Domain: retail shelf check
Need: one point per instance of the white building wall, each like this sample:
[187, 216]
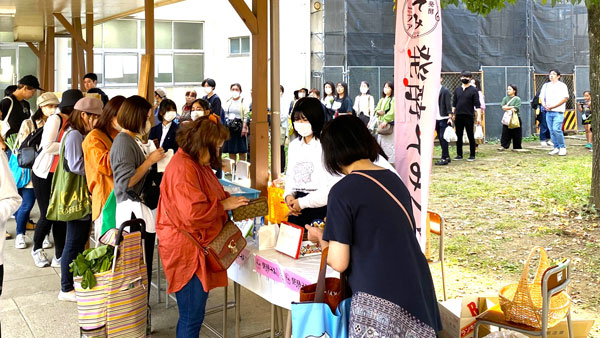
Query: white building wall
[221, 22]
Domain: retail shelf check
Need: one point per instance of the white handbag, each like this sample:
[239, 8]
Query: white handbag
[4, 125]
[450, 135]
[478, 133]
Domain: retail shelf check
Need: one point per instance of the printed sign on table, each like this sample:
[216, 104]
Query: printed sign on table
[243, 257]
[267, 269]
[294, 281]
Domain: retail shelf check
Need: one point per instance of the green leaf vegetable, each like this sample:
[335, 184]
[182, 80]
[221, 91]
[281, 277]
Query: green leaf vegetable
[90, 262]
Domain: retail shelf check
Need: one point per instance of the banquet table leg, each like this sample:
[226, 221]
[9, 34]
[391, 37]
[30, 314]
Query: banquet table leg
[225, 312]
[288, 325]
[236, 293]
[272, 321]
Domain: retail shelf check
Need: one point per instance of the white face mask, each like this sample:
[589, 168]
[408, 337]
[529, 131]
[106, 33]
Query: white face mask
[146, 129]
[303, 129]
[48, 110]
[235, 94]
[300, 95]
[364, 90]
[387, 91]
[170, 116]
[196, 114]
[328, 91]
[207, 90]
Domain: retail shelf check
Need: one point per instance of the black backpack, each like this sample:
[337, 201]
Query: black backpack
[30, 148]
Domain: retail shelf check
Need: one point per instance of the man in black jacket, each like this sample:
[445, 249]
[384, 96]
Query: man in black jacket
[464, 105]
[443, 121]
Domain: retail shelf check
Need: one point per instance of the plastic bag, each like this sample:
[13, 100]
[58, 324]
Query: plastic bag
[267, 236]
[478, 133]
[450, 135]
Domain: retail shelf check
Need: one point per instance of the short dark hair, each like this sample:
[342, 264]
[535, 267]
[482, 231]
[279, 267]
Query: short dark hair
[343, 84]
[514, 88]
[554, 70]
[281, 88]
[110, 110]
[389, 84]
[204, 104]
[346, 140]
[37, 115]
[164, 106]
[587, 91]
[9, 90]
[312, 109]
[133, 113]
[368, 86]
[205, 133]
[210, 82]
[477, 84]
[466, 73]
[236, 85]
[91, 76]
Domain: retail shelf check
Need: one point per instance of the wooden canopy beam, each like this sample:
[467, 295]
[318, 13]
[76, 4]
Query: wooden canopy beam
[80, 56]
[275, 97]
[74, 34]
[49, 59]
[89, 38]
[33, 48]
[246, 15]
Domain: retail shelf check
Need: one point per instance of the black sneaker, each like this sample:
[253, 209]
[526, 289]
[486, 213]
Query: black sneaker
[447, 159]
[442, 162]
[471, 158]
[457, 158]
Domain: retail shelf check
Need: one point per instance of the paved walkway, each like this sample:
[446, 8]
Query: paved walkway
[29, 307]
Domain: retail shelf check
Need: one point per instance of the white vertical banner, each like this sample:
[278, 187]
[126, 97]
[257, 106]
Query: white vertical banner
[417, 67]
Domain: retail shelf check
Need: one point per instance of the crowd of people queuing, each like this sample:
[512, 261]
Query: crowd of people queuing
[115, 145]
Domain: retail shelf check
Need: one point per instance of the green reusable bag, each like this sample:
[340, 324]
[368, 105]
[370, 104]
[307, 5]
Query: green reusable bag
[109, 213]
[70, 198]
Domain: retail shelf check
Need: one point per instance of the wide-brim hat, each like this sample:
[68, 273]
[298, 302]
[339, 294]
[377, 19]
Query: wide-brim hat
[46, 99]
[70, 97]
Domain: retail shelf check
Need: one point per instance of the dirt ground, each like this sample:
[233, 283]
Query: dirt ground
[500, 206]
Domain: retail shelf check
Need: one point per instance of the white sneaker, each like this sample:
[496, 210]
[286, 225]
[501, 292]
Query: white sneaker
[55, 262]
[67, 296]
[562, 152]
[20, 242]
[543, 144]
[39, 258]
[554, 151]
[46, 244]
[549, 143]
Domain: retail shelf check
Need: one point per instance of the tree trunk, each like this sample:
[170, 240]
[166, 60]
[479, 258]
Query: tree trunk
[594, 36]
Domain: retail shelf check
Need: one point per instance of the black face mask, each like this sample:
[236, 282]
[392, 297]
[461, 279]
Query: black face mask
[465, 81]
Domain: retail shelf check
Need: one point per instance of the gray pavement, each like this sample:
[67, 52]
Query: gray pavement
[29, 307]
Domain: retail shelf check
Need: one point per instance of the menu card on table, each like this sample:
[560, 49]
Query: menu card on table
[289, 239]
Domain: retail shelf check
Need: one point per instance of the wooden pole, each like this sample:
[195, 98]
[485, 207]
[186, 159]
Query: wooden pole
[42, 64]
[89, 38]
[149, 16]
[259, 153]
[74, 66]
[275, 98]
[80, 49]
[50, 58]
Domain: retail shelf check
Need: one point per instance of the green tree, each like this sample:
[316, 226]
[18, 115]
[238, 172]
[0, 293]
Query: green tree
[484, 7]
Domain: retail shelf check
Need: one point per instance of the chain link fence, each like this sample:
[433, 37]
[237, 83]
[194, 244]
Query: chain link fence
[568, 79]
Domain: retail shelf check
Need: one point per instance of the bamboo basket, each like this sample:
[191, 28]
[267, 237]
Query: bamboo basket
[522, 302]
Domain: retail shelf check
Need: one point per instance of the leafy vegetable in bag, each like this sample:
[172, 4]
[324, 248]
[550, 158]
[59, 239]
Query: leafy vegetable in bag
[90, 262]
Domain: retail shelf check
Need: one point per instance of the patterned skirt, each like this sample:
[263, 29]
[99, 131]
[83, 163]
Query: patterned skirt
[371, 316]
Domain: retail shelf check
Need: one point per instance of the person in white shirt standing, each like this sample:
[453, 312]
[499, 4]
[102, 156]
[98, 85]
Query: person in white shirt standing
[554, 96]
[9, 203]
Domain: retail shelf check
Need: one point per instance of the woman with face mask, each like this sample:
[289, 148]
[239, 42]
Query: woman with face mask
[342, 104]
[163, 134]
[47, 104]
[81, 121]
[364, 104]
[307, 182]
[236, 114]
[96, 152]
[42, 171]
[385, 117]
[130, 161]
[200, 108]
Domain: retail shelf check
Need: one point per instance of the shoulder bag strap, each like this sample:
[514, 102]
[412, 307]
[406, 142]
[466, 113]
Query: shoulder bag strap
[389, 193]
[9, 109]
[189, 236]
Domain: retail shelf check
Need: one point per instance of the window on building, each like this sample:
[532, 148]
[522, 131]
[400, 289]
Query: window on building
[239, 46]
[189, 68]
[120, 69]
[163, 69]
[120, 34]
[188, 35]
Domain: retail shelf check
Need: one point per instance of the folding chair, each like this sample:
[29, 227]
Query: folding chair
[436, 222]
[555, 280]
[228, 167]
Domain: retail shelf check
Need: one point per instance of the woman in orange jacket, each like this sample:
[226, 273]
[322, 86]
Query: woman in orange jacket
[192, 200]
[96, 152]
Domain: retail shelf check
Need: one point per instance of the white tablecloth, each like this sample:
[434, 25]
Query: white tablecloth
[274, 292]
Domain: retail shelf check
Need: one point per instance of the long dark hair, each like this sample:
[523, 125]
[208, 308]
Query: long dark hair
[332, 85]
[343, 84]
[37, 115]
[111, 109]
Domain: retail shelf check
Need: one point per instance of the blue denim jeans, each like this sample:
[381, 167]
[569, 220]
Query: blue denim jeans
[191, 301]
[22, 214]
[77, 235]
[544, 131]
[555, 121]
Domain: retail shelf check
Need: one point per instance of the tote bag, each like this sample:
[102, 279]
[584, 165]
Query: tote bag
[70, 198]
[21, 175]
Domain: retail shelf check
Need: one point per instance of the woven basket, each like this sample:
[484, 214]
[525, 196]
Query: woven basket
[522, 302]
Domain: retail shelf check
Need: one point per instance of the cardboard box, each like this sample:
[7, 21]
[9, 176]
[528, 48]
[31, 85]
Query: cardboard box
[458, 316]
[581, 329]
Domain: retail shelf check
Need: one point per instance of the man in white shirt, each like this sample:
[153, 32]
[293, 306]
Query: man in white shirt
[553, 97]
